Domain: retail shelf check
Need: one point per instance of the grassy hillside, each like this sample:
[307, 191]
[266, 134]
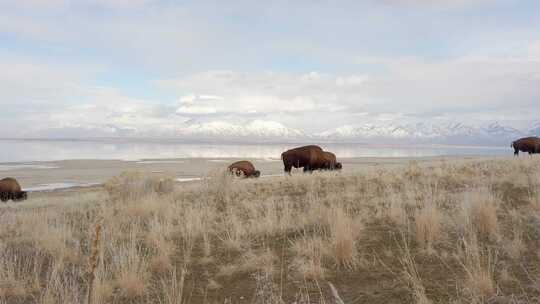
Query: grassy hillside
[438, 233]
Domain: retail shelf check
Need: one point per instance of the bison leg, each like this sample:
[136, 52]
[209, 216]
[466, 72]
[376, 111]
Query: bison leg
[16, 197]
[4, 197]
[288, 169]
[516, 152]
[308, 169]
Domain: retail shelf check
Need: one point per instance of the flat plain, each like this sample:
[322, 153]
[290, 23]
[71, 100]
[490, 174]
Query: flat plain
[35, 175]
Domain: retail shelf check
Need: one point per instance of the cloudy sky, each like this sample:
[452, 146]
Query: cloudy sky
[80, 68]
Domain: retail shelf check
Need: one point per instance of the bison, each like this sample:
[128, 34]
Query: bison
[11, 190]
[529, 145]
[309, 158]
[244, 168]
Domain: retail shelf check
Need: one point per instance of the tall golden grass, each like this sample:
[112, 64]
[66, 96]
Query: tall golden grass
[433, 232]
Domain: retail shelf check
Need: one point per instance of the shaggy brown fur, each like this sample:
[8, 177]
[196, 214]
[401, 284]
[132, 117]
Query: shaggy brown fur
[529, 145]
[11, 190]
[330, 162]
[308, 157]
[244, 168]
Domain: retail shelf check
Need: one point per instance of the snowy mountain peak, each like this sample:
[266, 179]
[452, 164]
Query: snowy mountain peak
[429, 131]
[258, 129]
[497, 129]
[271, 128]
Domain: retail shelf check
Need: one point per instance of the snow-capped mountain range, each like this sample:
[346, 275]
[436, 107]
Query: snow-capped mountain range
[444, 132]
[431, 132]
[425, 132]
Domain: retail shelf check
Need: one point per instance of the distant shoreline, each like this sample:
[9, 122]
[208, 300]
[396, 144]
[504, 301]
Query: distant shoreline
[32, 150]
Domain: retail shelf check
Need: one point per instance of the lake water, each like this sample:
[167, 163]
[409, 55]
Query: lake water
[18, 151]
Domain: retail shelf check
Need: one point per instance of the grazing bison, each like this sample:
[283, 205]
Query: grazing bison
[244, 168]
[308, 157]
[11, 190]
[528, 144]
[330, 162]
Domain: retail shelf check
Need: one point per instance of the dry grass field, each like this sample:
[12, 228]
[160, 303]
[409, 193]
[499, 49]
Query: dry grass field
[443, 232]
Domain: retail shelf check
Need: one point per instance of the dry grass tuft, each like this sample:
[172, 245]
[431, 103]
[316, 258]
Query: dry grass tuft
[131, 286]
[173, 288]
[534, 199]
[412, 275]
[344, 232]
[263, 261]
[309, 258]
[93, 262]
[218, 186]
[397, 212]
[428, 226]
[483, 213]
[133, 270]
[515, 246]
[479, 267]
[131, 186]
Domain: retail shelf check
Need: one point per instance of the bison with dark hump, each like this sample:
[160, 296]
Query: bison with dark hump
[244, 168]
[529, 145]
[309, 158]
[11, 190]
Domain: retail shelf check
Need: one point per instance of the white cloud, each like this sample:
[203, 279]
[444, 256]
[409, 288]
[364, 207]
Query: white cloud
[195, 110]
[226, 92]
[37, 97]
[28, 87]
[410, 86]
[56, 4]
[533, 51]
[120, 3]
[351, 80]
[34, 3]
[449, 3]
[457, 86]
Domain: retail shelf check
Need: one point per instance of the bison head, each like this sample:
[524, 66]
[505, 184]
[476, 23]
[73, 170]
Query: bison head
[21, 196]
[237, 172]
[256, 173]
[338, 166]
